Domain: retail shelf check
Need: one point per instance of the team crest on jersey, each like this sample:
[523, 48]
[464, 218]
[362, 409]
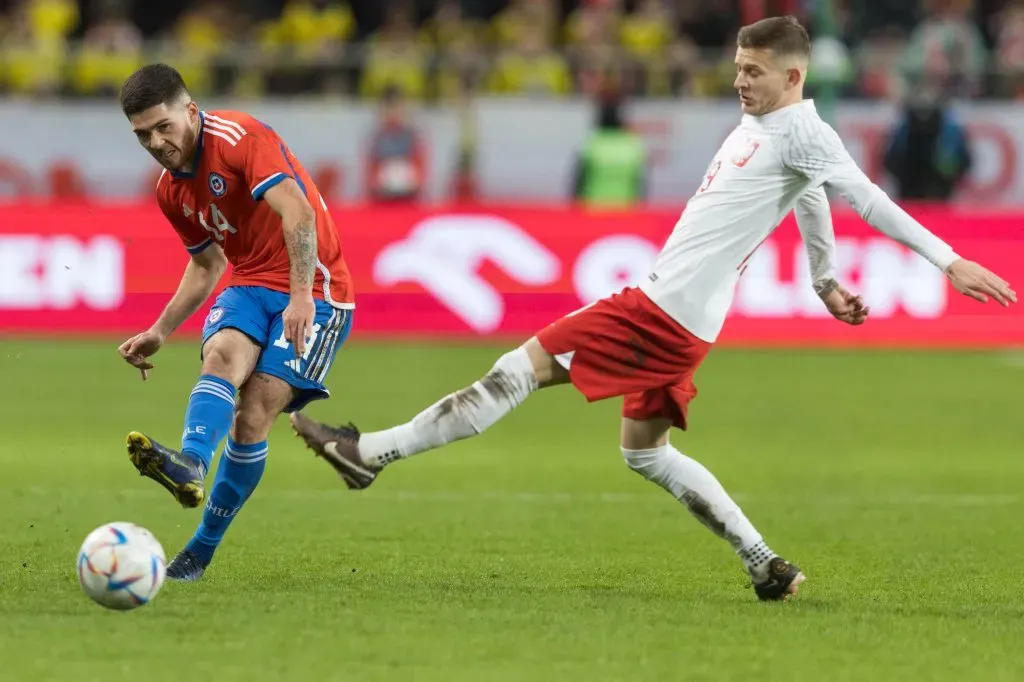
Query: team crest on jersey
[217, 185]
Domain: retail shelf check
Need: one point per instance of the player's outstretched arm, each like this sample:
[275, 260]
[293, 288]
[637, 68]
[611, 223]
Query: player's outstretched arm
[882, 213]
[201, 275]
[298, 220]
[813, 149]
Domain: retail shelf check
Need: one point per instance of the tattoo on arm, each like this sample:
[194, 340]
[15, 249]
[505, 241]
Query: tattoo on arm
[302, 252]
[825, 287]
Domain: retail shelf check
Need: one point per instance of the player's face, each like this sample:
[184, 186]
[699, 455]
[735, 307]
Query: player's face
[760, 80]
[168, 132]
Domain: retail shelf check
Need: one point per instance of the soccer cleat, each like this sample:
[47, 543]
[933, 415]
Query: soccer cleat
[182, 476]
[339, 446]
[783, 581]
[185, 567]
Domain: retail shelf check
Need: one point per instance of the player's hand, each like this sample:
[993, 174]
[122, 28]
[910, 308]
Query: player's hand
[298, 320]
[971, 279]
[846, 307]
[137, 350]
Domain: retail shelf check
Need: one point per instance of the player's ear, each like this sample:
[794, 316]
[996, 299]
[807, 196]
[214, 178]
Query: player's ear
[193, 111]
[793, 77]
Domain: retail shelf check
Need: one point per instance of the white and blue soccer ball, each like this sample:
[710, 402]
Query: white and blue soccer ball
[121, 566]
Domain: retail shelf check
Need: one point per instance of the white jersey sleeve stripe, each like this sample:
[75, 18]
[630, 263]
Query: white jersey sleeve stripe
[230, 132]
[226, 123]
[224, 136]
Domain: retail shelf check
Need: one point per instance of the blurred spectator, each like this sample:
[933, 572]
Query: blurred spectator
[197, 39]
[34, 47]
[310, 29]
[522, 17]
[465, 177]
[395, 58]
[647, 32]
[879, 58]
[459, 60]
[437, 48]
[673, 72]
[111, 51]
[711, 24]
[831, 70]
[594, 21]
[52, 20]
[600, 66]
[531, 67]
[715, 77]
[946, 49]
[396, 163]
[460, 68]
[611, 168]
[928, 152]
[448, 25]
[593, 33]
[1008, 30]
[303, 47]
[202, 28]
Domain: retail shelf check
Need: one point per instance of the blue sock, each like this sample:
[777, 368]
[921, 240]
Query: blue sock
[238, 472]
[211, 409]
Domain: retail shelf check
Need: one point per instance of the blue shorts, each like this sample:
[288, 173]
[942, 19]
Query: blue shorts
[256, 312]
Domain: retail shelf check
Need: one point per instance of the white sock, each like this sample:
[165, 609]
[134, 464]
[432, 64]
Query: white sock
[691, 483]
[459, 415]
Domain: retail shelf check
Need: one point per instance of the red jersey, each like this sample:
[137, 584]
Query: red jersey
[238, 159]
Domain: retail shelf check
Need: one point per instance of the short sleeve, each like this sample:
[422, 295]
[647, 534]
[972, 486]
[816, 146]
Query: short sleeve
[263, 162]
[813, 149]
[193, 236]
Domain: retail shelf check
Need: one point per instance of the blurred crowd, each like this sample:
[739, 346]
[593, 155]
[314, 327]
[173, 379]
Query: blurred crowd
[444, 49]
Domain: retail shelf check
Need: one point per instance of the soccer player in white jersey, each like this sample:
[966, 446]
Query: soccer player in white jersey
[645, 342]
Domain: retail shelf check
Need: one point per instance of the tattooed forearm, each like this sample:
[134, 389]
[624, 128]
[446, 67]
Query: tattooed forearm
[301, 242]
[825, 287]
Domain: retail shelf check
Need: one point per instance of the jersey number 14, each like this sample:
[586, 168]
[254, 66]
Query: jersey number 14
[220, 226]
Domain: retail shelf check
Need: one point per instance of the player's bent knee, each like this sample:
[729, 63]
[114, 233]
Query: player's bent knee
[230, 355]
[546, 369]
[647, 462]
[651, 463]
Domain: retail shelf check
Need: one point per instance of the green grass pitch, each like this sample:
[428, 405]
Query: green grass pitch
[532, 553]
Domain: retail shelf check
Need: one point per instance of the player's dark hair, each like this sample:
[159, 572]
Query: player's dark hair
[151, 86]
[784, 36]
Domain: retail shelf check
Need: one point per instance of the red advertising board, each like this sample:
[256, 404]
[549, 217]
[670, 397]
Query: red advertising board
[493, 271]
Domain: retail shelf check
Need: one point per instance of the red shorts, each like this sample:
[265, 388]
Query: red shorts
[625, 345]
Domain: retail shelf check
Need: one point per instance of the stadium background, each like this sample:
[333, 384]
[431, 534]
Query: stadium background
[891, 473]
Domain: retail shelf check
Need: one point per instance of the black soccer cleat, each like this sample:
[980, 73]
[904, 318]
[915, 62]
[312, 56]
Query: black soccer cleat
[339, 446]
[783, 581]
[179, 473]
[185, 568]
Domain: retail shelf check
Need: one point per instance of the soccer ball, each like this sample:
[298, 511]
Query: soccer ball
[121, 566]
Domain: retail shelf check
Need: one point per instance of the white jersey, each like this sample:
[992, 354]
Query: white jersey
[768, 166]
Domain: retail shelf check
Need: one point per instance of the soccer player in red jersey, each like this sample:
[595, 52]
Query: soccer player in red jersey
[646, 342]
[234, 193]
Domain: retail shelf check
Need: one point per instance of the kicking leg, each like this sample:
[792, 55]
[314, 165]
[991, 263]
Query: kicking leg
[647, 451]
[228, 358]
[463, 414]
[241, 466]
